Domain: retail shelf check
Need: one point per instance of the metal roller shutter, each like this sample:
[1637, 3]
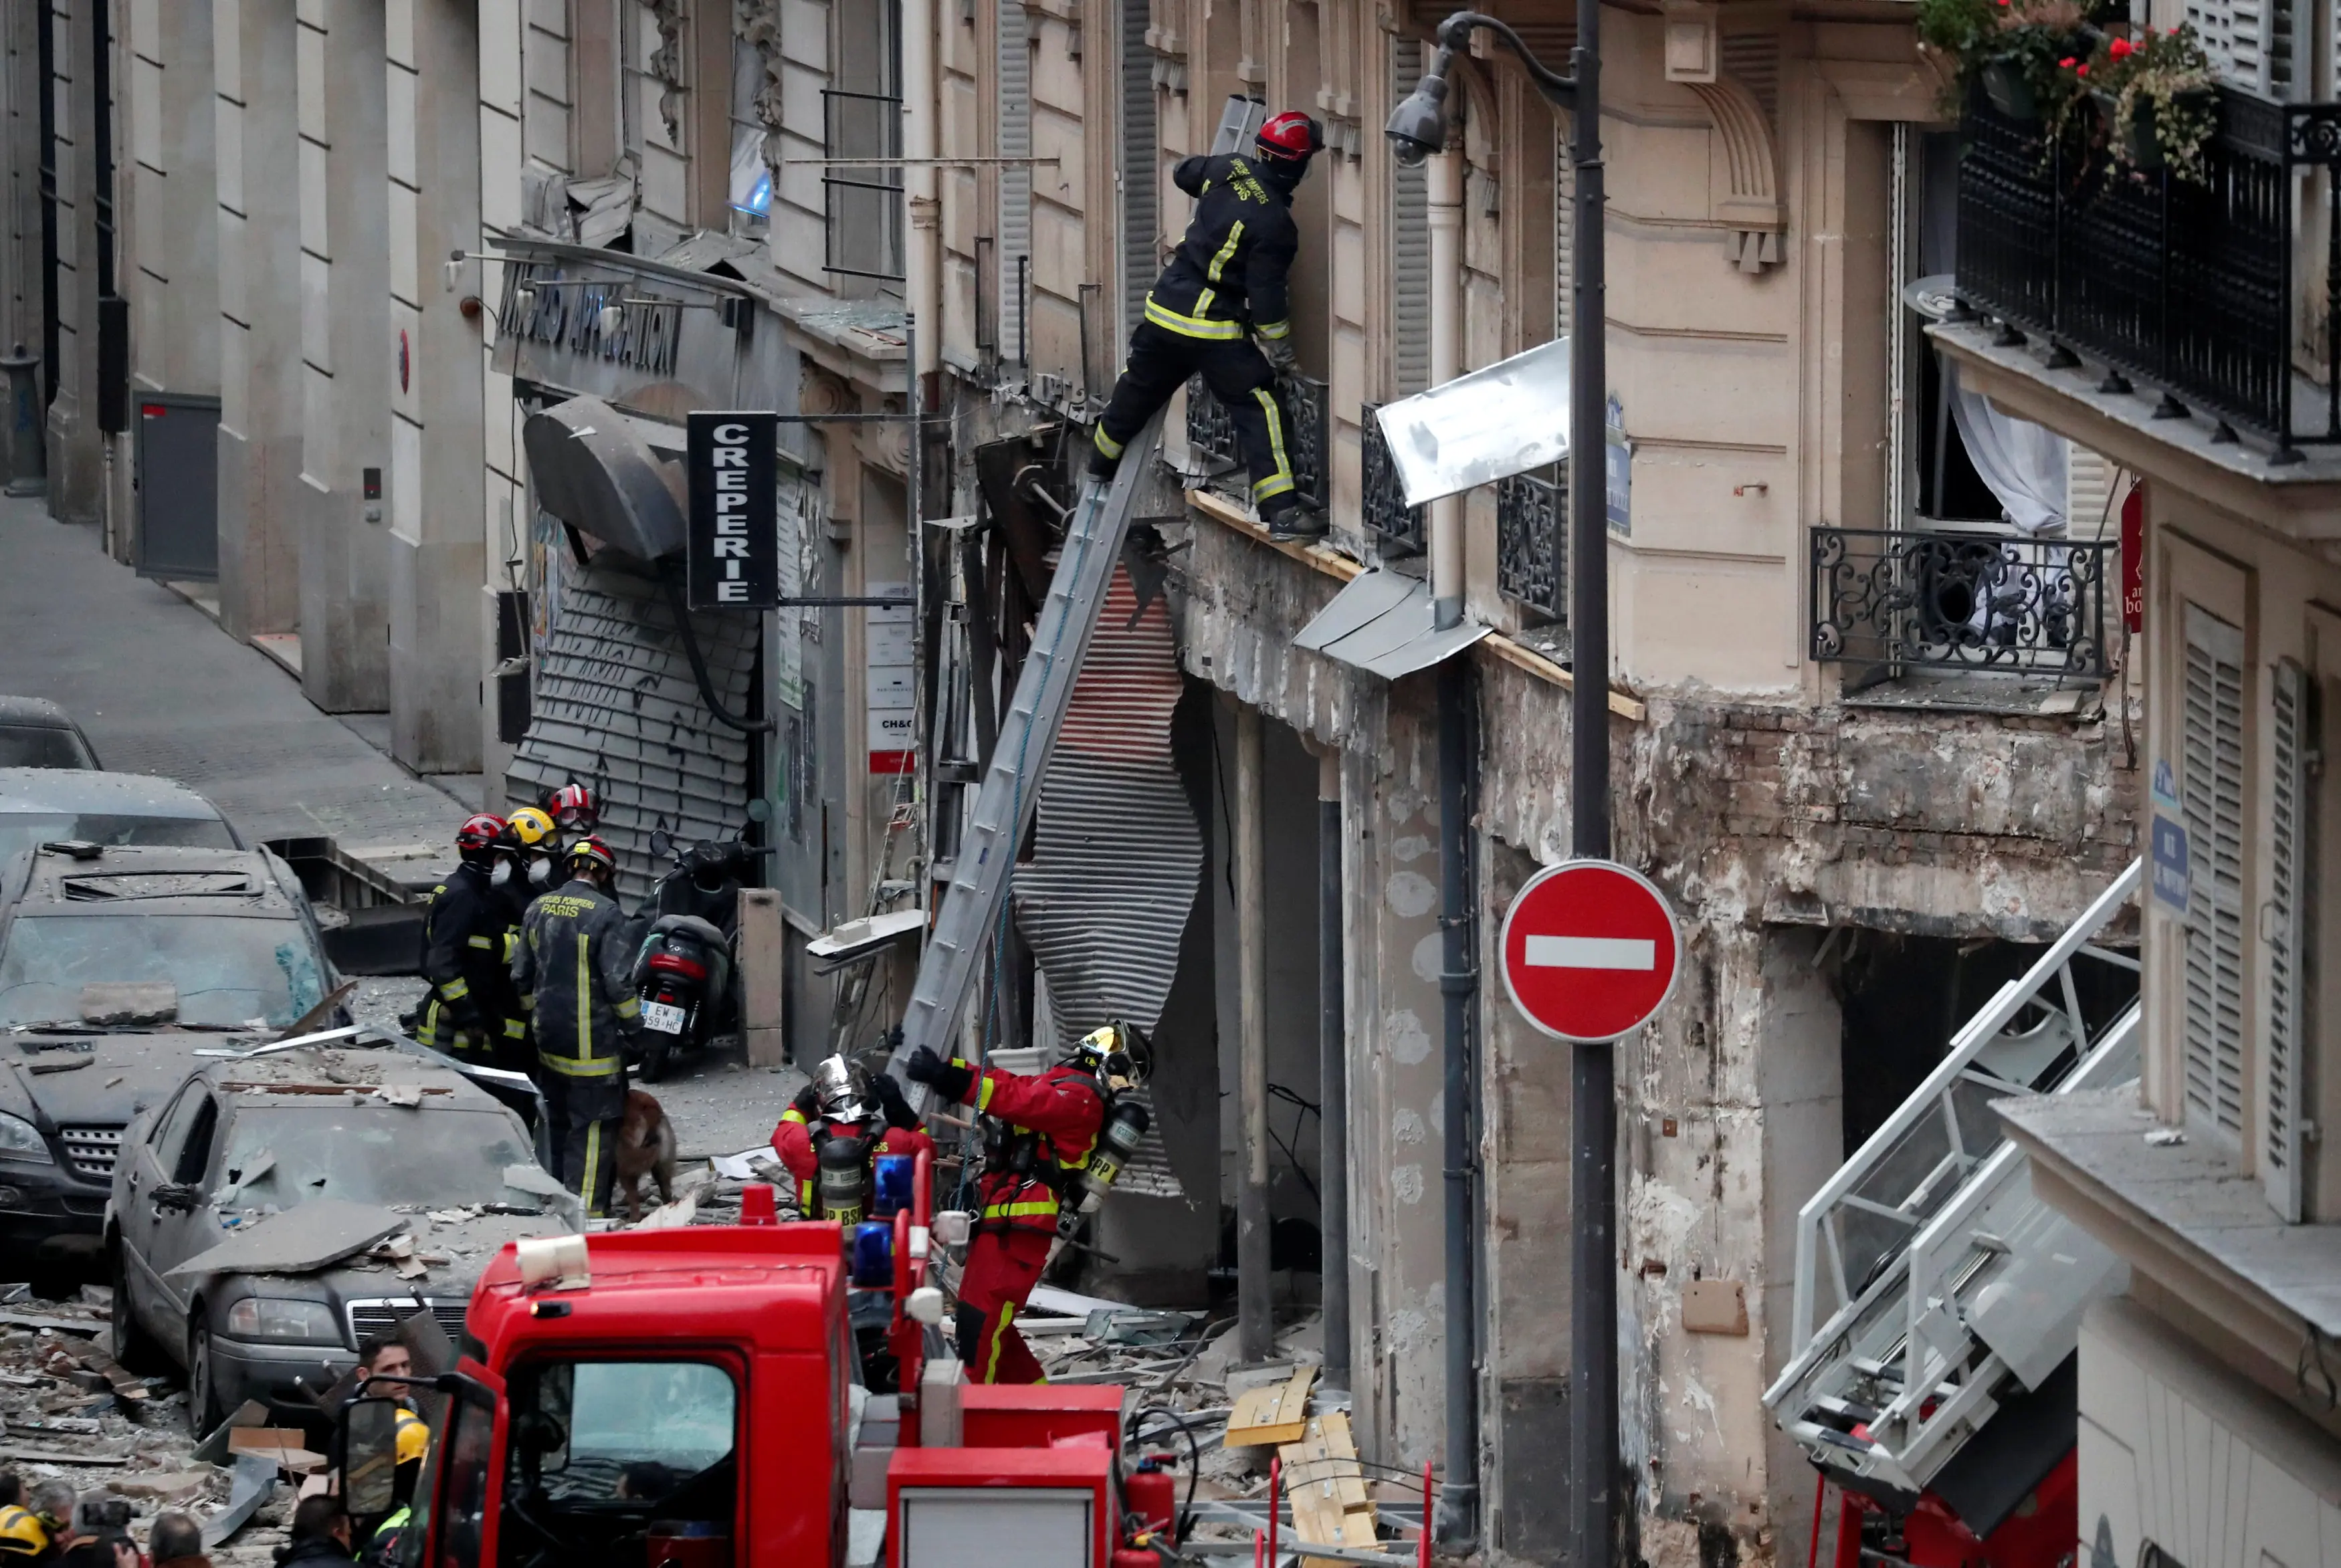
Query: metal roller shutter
[616, 708]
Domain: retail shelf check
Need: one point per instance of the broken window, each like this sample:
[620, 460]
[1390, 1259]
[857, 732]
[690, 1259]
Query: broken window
[372, 1154]
[228, 971]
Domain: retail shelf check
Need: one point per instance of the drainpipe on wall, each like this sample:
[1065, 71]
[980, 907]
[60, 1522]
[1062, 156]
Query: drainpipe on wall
[1457, 1522]
[1332, 1078]
[922, 260]
[1446, 213]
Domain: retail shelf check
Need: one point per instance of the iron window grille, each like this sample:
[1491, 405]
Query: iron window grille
[1212, 435]
[1531, 555]
[1382, 499]
[1889, 600]
[2188, 287]
[861, 208]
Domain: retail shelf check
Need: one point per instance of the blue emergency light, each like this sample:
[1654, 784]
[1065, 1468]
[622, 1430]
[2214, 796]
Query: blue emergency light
[872, 1255]
[896, 1176]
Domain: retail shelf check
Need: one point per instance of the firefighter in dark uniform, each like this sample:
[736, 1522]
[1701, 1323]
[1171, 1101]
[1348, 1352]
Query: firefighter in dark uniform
[1039, 1130]
[473, 1009]
[574, 969]
[1224, 291]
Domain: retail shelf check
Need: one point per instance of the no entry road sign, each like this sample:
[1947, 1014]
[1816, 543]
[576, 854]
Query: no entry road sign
[1591, 950]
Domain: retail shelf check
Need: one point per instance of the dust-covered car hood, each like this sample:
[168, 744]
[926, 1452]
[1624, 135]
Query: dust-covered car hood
[99, 1079]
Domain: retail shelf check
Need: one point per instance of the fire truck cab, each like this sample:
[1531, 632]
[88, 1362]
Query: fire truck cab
[684, 1395]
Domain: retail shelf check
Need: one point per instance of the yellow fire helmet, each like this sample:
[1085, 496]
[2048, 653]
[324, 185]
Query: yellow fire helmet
[1118, 1053]
[532, 828]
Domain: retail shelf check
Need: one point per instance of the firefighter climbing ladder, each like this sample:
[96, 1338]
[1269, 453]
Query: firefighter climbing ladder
[1020, 757]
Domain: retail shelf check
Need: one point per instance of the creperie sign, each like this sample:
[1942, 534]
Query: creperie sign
[734, 555]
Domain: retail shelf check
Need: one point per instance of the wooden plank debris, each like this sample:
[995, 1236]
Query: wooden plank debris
[1275, 1414]
[57, 1456]
[1331, 1505]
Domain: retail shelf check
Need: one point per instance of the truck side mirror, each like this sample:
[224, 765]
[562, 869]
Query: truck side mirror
[370, 1462]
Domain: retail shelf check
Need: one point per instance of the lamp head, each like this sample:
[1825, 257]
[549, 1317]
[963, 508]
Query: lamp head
[1418, 127]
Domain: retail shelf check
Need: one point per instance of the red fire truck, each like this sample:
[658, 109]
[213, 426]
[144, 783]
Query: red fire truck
[688, 1398]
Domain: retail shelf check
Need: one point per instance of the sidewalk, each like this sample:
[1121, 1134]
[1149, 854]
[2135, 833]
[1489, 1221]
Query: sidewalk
[161, 689]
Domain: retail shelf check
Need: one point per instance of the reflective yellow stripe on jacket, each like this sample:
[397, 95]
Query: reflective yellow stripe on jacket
[1164, 316]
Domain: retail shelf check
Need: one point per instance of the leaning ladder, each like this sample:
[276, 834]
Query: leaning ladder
[1020, 757]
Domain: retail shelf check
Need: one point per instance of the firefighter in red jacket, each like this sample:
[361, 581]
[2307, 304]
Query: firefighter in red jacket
[1038, 1134]
[836, 1092]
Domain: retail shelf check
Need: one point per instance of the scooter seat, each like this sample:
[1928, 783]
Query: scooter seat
[688, 925]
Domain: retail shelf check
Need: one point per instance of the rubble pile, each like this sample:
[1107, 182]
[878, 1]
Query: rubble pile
[69, 1411]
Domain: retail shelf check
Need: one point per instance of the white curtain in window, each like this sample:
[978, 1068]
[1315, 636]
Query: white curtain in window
[2023, 463]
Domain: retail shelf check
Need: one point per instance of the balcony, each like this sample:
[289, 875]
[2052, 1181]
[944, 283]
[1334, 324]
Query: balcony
[1531, 543]
[2190, 289]
[1382, 506]
[1212, 435]
[1888, 602]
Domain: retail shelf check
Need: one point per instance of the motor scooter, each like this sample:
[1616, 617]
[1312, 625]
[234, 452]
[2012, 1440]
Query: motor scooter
[685, 972]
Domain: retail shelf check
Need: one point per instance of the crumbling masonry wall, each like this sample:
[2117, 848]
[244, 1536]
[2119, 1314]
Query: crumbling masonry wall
[1768, 824]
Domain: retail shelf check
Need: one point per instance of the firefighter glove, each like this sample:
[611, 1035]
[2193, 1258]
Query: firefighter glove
[1280, 355]
[888, 1092]
[949, 1078]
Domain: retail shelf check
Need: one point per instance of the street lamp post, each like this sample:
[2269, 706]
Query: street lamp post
[1417, 129]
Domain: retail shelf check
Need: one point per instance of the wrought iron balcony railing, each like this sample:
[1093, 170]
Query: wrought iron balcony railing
[1893, 600]
[2189, 287]
[1212, 434]
[1531, 551]
[1382, 499]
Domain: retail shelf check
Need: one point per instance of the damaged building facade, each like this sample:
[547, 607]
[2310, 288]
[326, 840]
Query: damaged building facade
[1870, 723]
[1874, 720]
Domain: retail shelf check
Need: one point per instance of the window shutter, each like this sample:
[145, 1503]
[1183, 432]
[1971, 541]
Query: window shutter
[2249, 42]
[2212, 785]
[1013, 40]
[2291, 844]
[1564, 227]
[1410, 244]
[1140, 163]
[2088, 495]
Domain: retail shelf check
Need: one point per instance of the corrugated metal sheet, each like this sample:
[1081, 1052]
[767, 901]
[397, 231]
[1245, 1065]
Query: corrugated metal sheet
[617, 710]
[1117, 855]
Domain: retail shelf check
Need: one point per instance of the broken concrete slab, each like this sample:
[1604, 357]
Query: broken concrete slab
[298, 1241]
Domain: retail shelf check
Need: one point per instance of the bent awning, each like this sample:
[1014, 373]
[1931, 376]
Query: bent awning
[1383, 623]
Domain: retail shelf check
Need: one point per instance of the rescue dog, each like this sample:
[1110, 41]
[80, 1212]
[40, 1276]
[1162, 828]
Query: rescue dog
[645, 1149]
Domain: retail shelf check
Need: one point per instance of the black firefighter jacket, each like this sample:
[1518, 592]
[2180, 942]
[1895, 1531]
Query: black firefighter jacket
[465, 955]
[1228, 274]
[572, 967]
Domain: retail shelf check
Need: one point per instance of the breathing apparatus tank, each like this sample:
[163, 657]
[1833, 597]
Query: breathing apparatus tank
[1118, 1140]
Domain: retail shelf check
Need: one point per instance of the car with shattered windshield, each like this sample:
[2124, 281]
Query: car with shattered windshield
[278, 1209]
[48, 805]
[116, 965]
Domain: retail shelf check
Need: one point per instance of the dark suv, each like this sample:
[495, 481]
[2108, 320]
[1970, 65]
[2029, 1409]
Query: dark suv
[117, 967]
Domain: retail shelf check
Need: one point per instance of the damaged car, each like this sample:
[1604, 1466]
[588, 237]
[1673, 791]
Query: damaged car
[116, 965]
[283, 1206]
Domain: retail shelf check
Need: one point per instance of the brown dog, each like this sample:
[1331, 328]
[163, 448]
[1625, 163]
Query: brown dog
[645, 1148]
